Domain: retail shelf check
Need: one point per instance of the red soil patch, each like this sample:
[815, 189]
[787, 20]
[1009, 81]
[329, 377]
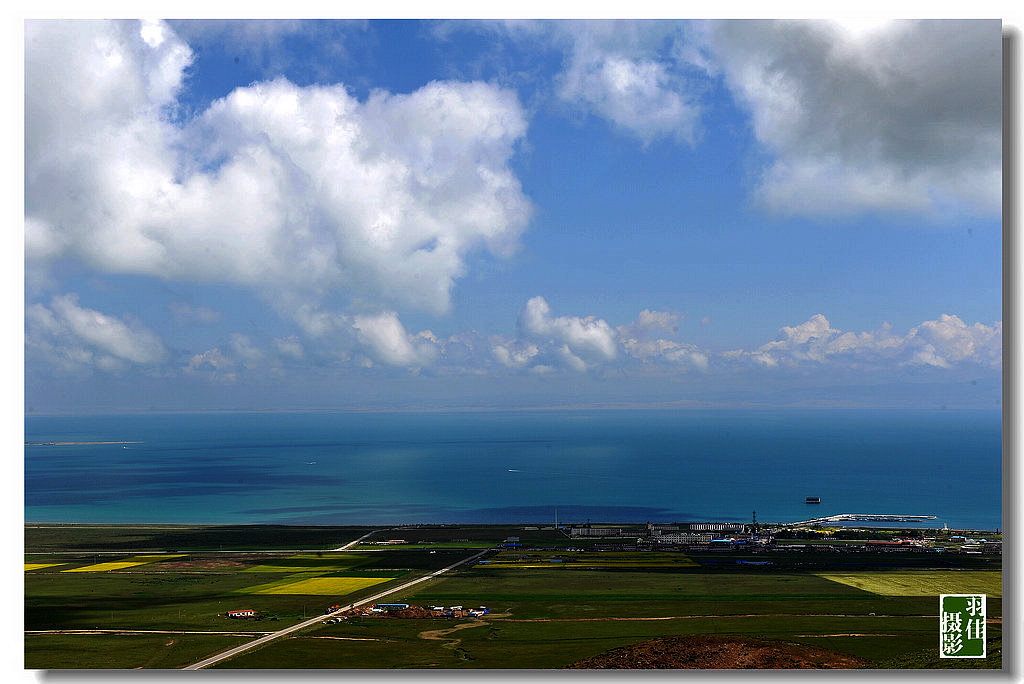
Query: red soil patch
[705, 652]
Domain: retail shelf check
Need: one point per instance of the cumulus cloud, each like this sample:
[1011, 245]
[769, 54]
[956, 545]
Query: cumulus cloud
[512, 354]
[640, 96]
[649, 323]
[901, 115]
[293, 191]
[942, 343]
[949, 340]
[641, 340]
[587, 337]
[625, 72]
[73, 337]
[241, 355]
[681, 354]
[385, 339]
[851, 116]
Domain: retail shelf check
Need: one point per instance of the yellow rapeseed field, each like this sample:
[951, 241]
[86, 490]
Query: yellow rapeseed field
[126, 563]
[321, 586]
[922, 582]
[104, 567]
[40, 566]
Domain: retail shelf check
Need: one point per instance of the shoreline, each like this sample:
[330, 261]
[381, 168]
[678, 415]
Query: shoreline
[75, 443]
[428, 525]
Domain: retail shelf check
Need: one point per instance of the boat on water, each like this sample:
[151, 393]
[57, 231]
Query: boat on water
[813, 500]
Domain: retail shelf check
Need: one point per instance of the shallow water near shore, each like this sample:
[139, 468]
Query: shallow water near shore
[514, 466]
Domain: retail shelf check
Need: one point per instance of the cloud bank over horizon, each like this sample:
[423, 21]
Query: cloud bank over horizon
[83, 339]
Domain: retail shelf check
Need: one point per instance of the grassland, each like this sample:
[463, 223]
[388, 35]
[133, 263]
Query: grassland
[169, 611]
[544, 618]
[589, 559]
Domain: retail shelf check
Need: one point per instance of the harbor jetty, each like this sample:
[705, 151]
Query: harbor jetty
[862, 517]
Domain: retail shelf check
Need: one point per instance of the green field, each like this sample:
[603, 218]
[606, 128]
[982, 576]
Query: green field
[105, 651]
[551, 617]
[589, 559]
[504, 643]
[326, 562]
[168, 612]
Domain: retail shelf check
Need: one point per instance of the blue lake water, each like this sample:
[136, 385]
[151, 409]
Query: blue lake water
[516, 466]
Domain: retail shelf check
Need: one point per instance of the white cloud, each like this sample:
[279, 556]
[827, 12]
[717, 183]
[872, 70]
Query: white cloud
[292, 191]
[904, 115]
[212, 364]
[949, 340]
[681, 354]
[634, 94]
[853, 116]
[640, 340]
[385, 339]
[587, 337]
[512, 354]
[658, 320]
[649, 323]
[625, 72]
[571, 360]
[620, 71]
[807, 341]
[943, 343]
[70, 336]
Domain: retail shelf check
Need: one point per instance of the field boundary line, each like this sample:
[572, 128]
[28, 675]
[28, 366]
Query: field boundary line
[141, 631]
[312, 621]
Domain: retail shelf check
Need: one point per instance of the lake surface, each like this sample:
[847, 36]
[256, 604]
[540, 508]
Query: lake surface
[514, 466]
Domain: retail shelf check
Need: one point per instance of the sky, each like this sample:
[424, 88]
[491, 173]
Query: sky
[275, 215]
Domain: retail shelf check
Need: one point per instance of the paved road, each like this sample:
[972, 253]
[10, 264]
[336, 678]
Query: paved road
[312, 621]
[353, 543]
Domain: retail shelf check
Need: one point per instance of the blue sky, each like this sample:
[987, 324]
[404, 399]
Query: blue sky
[286, 214]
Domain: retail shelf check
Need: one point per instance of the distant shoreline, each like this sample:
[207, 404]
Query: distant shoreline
[74, 443]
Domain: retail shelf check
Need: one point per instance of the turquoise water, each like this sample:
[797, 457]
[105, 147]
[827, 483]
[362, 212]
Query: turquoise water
[487, 467]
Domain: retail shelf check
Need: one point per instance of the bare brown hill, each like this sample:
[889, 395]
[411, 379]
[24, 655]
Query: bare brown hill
[709, 652]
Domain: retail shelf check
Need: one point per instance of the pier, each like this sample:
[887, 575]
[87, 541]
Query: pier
[866, 517]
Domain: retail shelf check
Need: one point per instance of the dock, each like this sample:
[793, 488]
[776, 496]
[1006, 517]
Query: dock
[864, 517]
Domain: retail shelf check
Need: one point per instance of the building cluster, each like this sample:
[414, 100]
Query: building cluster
[695, 535]
[406, 610]
[732, 536]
